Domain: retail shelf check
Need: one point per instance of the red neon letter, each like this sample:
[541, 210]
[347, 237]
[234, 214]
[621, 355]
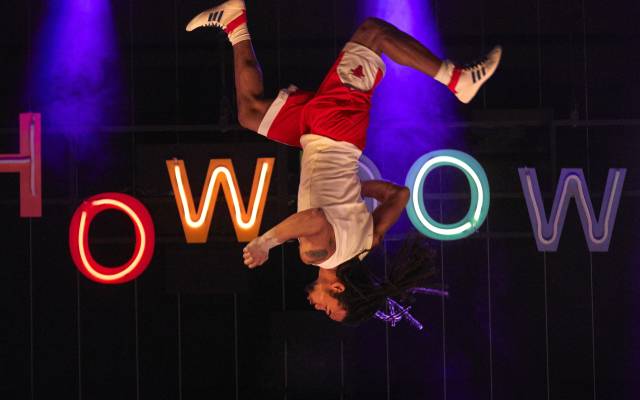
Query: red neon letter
[27, 164]
[79, 238]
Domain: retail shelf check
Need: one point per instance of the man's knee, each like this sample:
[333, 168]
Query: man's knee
[250, 113]
[373, 24]
[372, 33]
[243, 119]
[247, 119]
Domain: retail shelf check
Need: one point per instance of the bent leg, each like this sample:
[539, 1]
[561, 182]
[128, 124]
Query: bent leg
[382, 37]
[249, 88]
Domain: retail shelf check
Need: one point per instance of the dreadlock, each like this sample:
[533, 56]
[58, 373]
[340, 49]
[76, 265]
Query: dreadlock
[365, 293]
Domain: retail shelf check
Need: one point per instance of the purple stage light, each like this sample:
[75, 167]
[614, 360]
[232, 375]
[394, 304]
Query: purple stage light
[408, 104]
[75, 76]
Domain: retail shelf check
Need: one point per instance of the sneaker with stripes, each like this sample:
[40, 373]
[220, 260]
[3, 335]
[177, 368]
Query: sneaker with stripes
[465, 80]
[230, 16]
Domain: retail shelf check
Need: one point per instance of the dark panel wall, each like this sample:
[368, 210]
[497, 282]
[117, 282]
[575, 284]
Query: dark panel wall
[519, 323]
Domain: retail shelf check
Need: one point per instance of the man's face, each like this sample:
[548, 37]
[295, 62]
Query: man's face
[320, 297]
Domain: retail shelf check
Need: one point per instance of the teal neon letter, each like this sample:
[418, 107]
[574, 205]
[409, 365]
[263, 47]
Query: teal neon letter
[478, 184]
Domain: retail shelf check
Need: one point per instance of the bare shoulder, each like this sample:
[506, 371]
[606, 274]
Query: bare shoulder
[318, 247]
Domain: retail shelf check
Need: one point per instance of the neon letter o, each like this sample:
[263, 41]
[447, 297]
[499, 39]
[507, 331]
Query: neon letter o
[79, 238]
[478, 183]
[368, 170]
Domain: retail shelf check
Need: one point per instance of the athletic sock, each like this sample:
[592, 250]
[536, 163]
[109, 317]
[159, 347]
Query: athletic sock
[237, 29]
[445, 73]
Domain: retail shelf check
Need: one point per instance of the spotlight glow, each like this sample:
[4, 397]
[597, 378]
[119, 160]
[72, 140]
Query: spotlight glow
[408, 103]
[75, 75]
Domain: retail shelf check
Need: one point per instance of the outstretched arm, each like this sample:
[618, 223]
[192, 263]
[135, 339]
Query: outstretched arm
[393, 198]
[301, 224]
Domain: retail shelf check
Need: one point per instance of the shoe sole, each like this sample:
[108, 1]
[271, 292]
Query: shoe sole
[233, 4]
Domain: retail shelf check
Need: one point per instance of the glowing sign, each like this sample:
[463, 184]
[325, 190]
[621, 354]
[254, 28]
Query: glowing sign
[28, 164]
[220, 173]
[478, 184]
[368, 171]
[79, 238]
[572, 184]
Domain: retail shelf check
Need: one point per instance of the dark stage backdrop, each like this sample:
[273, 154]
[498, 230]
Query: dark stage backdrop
[519, 324]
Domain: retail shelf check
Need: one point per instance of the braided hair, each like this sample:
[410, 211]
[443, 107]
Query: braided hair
[365, 293]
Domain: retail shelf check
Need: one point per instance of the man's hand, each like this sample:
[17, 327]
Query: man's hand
[301, 224]
[256, 252]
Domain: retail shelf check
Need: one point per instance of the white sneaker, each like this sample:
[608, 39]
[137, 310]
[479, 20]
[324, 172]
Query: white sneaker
[228, 16]
[466, 80]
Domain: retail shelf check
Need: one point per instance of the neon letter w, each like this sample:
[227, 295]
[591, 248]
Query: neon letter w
[572, 185]
[246, 222]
